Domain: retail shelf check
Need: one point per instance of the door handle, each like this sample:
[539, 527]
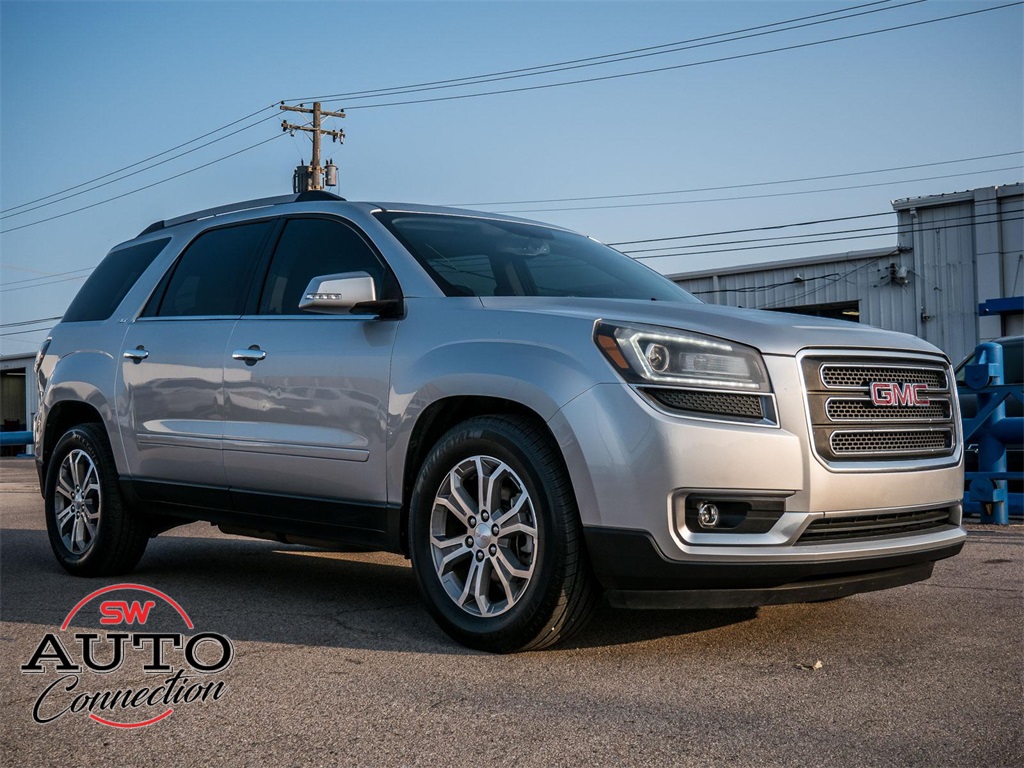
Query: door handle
[136, 355]
[249, 356]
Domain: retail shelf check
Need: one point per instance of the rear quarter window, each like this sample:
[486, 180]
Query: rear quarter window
[110, 282]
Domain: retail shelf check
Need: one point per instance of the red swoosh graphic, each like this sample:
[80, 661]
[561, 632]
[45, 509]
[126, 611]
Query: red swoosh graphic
[144, 723]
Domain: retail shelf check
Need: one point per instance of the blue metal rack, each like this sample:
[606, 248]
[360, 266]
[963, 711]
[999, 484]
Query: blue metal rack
[992, 430]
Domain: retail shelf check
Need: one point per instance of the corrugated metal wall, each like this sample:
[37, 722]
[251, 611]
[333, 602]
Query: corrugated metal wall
[953, 252]
[942, 243]
[967, 249]
[869, 278]
[1011, 235]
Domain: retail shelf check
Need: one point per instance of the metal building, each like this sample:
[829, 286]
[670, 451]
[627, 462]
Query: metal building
[19, 400]
[955, 276]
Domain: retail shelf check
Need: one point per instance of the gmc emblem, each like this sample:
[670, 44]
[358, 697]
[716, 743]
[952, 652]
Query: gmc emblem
[889, 393]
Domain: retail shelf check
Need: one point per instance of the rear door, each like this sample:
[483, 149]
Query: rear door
[306, 401]
[171, 406]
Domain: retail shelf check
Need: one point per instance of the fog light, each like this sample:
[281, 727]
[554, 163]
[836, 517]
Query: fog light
[707, 514]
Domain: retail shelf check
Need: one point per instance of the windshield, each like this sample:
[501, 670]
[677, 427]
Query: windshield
[485, 257]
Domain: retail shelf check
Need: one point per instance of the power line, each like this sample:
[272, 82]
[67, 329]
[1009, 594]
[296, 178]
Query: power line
[44, 277]
[756, 247]
[770, 286]
[683, 66]
[758, 197]
[383, 91]
[24, 341]
[145, 160]
[809, 242]
[741, 186]
[611, 58]
[41, 285]
[970, 217]
[7, 215]
[30, 322]
[22, 333]
[14, 210]
[549, 85]
[755, 229]
[140, 189]
[815, 289]
[891, 230]
[24, 269]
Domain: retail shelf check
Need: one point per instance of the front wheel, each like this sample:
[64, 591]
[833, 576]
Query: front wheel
[91, 532]
[495, 538]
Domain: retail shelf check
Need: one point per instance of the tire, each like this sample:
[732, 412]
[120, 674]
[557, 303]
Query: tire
[512, 581]
[91, 531]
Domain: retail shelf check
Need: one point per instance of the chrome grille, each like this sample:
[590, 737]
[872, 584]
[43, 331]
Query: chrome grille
[901, 442]
[837, 376]
[848, 426]
[862, 409]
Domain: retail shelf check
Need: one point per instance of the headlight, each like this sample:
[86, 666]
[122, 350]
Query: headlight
[654, 355]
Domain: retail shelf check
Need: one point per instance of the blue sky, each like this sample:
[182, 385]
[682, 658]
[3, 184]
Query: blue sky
[88, 87]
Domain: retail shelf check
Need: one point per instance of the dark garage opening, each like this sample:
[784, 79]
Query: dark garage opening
[12, 406]
[837, 310]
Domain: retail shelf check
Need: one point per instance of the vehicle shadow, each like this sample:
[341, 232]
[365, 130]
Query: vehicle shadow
[253, 590]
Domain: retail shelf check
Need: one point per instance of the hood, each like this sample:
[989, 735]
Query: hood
[773, 333]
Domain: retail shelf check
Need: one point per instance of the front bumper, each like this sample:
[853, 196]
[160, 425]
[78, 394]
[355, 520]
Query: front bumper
[634, 467]
[636, 574]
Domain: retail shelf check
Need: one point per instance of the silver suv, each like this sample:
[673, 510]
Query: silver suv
[530, 416]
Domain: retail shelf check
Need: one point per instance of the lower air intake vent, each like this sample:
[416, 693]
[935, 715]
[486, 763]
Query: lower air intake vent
[716, 403]
[875, 526]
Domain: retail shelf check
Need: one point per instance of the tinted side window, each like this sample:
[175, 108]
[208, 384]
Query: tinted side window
[111, 281]
[312, 247]
[212, 276]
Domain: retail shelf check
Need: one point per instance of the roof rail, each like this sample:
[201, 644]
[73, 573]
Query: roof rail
[301, 197]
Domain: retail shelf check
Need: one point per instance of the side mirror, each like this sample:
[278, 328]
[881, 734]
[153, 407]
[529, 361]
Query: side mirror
[339, 294]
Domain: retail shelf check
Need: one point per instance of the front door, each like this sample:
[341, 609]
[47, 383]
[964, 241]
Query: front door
[306, 395]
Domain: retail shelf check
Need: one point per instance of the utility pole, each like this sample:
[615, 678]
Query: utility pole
[309, 177]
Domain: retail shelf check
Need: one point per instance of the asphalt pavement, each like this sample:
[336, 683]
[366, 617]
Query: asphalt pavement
[335, 662]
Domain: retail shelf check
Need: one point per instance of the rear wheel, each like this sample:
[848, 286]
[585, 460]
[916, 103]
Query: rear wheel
[91, 532]
[495, 538]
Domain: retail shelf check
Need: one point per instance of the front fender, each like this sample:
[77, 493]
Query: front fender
[544, 365]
